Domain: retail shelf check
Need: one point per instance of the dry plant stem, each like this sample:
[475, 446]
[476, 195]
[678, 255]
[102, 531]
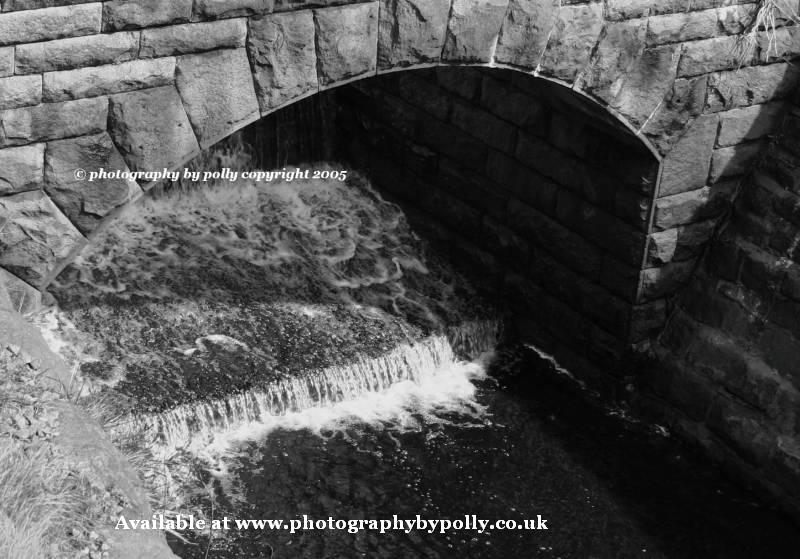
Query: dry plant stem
[764, 24]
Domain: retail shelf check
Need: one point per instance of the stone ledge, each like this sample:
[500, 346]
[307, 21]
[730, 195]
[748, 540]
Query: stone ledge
[525, 32]
[17, 5]
[750, 86]
[411, 32]
[218, 93]
[6, 61]
[734, 160]
[576, 32]
[665, 280]
[473, 29]
[681, 27]
[18, 296]
[21, 169]
[346, 42]
[51, 121]
[45, 24]
[86, 203]
[137, 14]
[193, 37]
[150, 128]
[693, 206]
[30, 248]
[748, 123]
[218, 9]
[20, 91]
[281, 50]
[65, 54]
[105, 80]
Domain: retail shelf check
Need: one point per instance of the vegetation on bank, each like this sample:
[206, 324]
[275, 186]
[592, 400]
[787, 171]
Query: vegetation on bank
[47, 509]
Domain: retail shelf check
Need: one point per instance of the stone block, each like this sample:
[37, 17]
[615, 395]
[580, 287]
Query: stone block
[411, 32]
[136, 14]
[750, 86]
[736, 18]
[525, 31]
[575, 34]
[422, 94]
[629, 9]
[86, 203]
[522, 182]
[484, 126]
[741, 429]
[619, 278]
[791, 283]
[20, 91]
[680, 243]
[508, 245]
[214, 9]
[21, 168]
[34, 236]
[512, 105]
[51, 121]
[669, 121]
[780, 350]
[749, 123]
[687, 165]
[151, 129]
[193, 37]
[571, 248]
[18, 295]
[472, 188]
[78, 52]
[734, 160]
[346, 41]
[646, 84]
[693, 206]
[784, 44]
[30, 26]
[711, 55]
[281, 48]
[452, 142]
[16, 5]
[104, 80]
[544, 158]
[612, 234]
[631, 206]
[453, 211]
[6, 61]
[681, 27]
[218, 93]
[620, 47]
[605, 309]
[473, 29]
[760, 270]
[666, 280]
[464, 82]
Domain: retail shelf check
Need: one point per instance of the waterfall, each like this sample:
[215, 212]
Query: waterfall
[179, 426]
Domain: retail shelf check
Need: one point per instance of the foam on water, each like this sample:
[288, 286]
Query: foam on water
[421, 378]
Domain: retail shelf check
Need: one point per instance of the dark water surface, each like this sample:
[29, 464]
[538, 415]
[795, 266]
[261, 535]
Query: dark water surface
[608, 487]
[205, 318]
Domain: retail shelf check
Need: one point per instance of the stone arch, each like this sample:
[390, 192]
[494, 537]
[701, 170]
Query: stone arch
[144, 86]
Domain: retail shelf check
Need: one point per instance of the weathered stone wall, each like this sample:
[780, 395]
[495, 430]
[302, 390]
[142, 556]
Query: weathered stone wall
[729, 373]
[529, 185]
[144, 84]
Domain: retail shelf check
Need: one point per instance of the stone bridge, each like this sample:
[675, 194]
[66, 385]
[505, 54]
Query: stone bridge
[687, 97]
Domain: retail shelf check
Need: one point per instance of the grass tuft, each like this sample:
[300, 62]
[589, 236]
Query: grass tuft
[37, 502]
[769, 16]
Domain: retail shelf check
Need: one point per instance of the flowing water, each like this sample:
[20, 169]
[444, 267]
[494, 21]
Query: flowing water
[292, 348]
